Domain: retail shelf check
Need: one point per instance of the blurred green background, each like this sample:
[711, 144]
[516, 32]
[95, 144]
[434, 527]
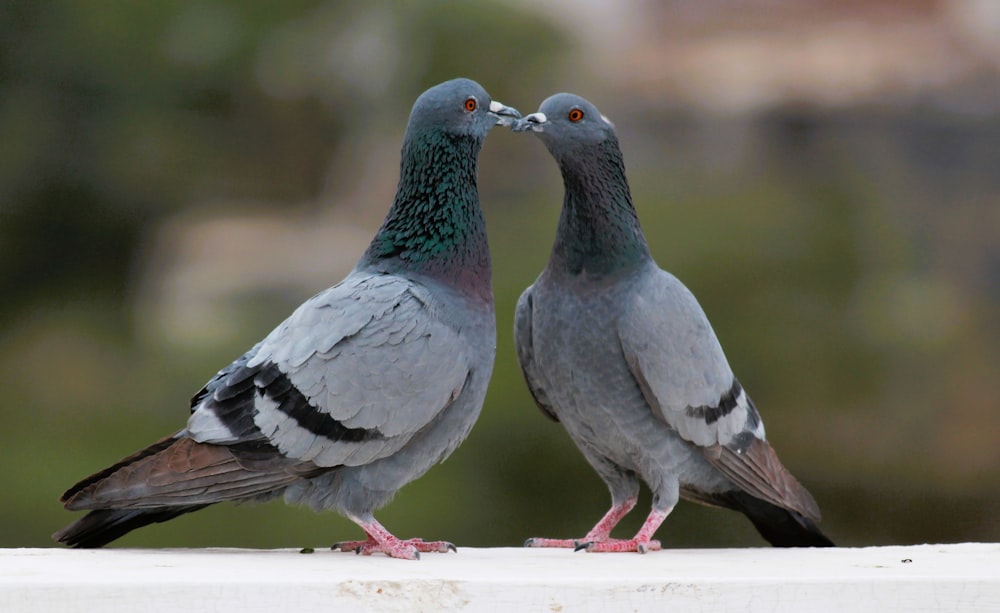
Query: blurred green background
[176, 176]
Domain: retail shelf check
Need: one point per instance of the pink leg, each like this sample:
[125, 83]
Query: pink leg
[641, 542]
[599, 533]
[381, 540]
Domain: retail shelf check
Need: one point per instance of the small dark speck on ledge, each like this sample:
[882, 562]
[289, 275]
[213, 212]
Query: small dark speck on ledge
[307, 550]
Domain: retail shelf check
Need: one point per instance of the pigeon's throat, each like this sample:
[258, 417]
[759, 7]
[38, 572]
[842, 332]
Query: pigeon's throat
[435, 225]
[599, 231]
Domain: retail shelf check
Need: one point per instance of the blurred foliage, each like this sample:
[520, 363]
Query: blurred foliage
[847, 260]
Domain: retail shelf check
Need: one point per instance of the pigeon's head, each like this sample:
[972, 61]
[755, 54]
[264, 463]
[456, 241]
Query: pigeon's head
[565, 122]
[460, 106]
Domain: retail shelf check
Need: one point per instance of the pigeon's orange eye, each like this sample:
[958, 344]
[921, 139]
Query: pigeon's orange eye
[470, 104]
[575, 115]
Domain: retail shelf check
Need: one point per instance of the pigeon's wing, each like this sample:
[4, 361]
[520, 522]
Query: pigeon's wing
[349, 378]
[677, 360]
[524, 341]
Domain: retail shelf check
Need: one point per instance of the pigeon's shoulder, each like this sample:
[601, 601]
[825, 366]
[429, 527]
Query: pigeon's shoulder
[330, 316]
[675, 356]
[348, 378]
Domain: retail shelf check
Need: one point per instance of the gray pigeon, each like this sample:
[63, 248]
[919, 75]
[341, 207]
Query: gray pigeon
[620, 353]
[365, 386]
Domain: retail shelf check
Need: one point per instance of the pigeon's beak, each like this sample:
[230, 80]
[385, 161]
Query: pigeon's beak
[506, 115]
[534, 122]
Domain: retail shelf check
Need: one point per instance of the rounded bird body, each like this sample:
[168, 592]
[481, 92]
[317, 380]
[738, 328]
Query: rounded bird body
[621, 353]
[365, 386]
[576, 343]
[425, 364]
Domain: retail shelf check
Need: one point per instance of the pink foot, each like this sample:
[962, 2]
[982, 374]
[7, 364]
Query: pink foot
[409, 549]
[544, 542]
[600, 532]
[598, 539]
[621, 545]
[642, 542]
[381, 540]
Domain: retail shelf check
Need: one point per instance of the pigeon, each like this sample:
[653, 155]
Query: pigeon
[365, 386]
[620, 352]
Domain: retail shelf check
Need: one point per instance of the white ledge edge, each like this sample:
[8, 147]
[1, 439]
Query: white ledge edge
[954, 577]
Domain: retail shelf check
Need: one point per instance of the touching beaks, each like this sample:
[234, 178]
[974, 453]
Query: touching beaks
[534, 122]
[506, 115]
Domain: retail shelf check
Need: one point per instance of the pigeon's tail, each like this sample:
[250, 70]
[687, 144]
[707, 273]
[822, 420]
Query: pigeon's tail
[783, 511]
[779, 526]
[98, 528]
[173, 476]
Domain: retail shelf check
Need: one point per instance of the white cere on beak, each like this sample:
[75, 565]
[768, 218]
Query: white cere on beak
[534, 122]
[506, 116]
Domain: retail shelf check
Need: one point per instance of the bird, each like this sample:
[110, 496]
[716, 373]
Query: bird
[365, 386]
[621, 353]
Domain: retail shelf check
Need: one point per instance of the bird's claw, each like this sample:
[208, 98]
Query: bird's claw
[432, 546]
[644, 547]
[347, 546]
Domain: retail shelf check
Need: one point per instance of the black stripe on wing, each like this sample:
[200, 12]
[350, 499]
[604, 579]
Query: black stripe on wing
[291, 402]
[726, 405]
[232, 396]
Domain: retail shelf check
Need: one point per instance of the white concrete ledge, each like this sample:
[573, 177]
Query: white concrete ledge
[918, 578]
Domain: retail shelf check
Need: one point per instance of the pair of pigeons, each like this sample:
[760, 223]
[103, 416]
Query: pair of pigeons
[371, 382]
